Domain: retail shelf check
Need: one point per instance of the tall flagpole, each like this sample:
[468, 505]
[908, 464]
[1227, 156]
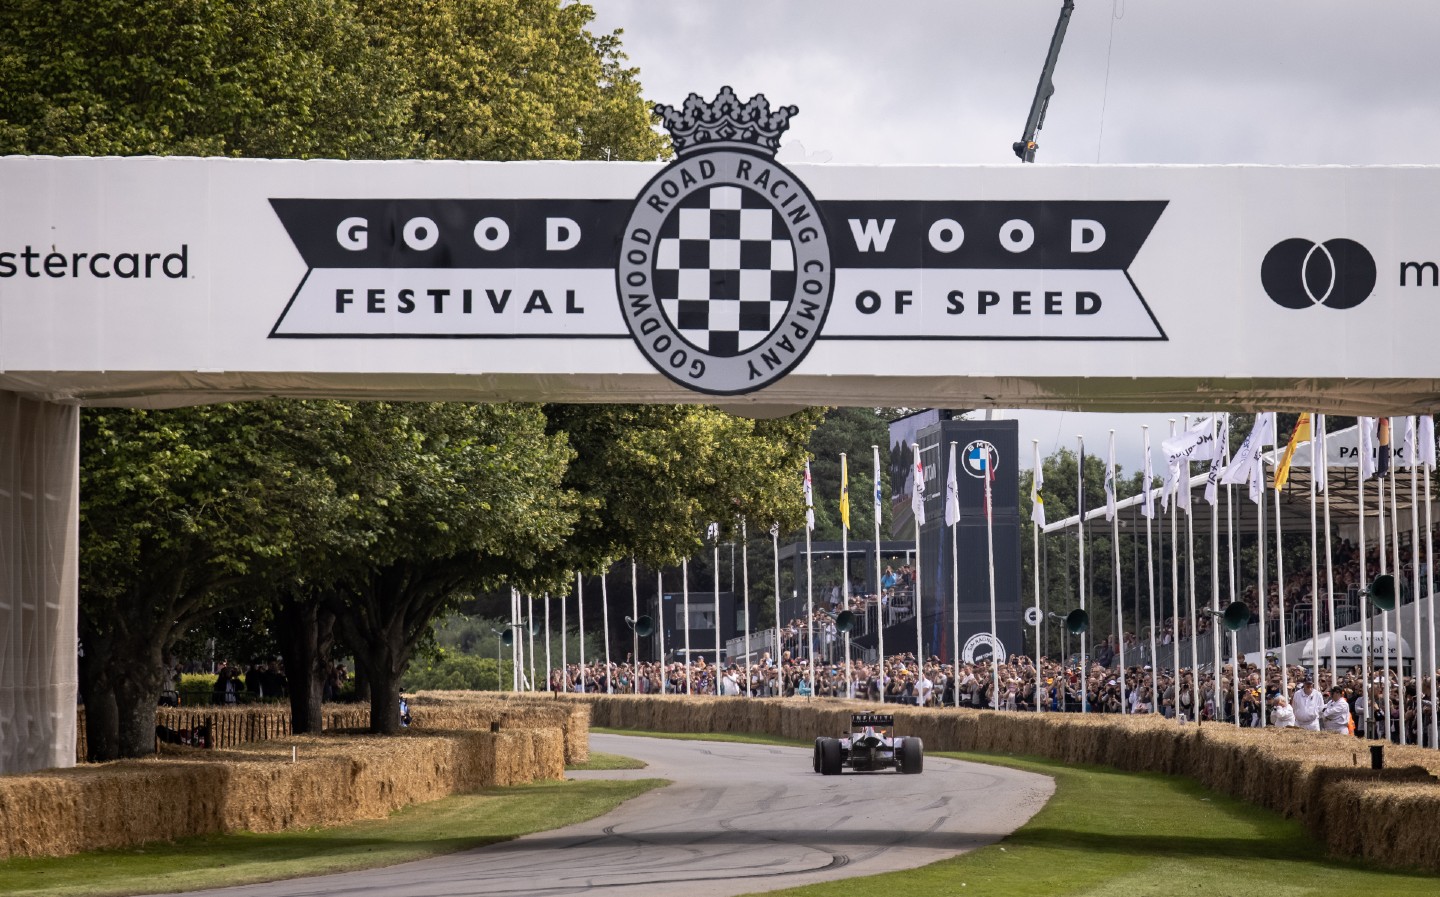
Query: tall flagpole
[1175, 587]
[685, 599]
[1367, 635]
[1149, 511]
[1280, 573]
[879, 583]
[605, 624]
[530, 628]
[1315, 571]
[1212, 495]
[1119, 607]
[1234, 593]
[775, 545]
[952, 503]
[1184, 484]
[715, 563]
[1399, 618]
[845, 564]
[516, 643]
[918, 602]
[990, 556]
[1038, 523]
[564, 645]
[1419, 646]
[634, 623]
[1427, 456]
[1080, 504]
[660, 628]
[580, 603]
[1384, 615]
[1319, 455]
[549, 667]
[745, 591]
[809, 583]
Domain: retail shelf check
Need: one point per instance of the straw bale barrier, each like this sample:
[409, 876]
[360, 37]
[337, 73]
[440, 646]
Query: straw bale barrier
[479, 709]
[256, 787]
[1323, 780]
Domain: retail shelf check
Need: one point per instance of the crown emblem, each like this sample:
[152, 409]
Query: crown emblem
[726, 122]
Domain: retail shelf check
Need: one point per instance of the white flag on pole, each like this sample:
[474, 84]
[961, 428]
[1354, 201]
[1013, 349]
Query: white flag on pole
[877, 485]
[809, 500]
[1366, 426]
[1246, 466]
[1110, 481]
[1427, 441]
[1410, 441]
[1195, 444]
[952, 492]
[1217, 463]
[917, 495]
[1148, 507]
[1319, 453]
[712, 532]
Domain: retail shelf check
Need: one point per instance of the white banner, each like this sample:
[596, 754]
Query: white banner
[722, 274]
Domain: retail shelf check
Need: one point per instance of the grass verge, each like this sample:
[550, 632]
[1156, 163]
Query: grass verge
[602, 761]
[444, 826]
[1106, 833]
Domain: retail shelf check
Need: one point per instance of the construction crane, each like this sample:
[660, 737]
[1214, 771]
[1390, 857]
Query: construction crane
[1026, 146]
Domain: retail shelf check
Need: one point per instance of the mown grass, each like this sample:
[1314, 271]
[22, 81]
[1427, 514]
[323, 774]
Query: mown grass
[445, 826]
[1107, 833]
[602, 761]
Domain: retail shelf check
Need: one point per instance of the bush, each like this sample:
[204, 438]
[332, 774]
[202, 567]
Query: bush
[452, 671]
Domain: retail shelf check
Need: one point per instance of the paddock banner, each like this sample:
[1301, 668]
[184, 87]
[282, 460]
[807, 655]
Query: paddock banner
[723, 273]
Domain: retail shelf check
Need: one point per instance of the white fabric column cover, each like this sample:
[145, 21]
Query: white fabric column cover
[39, 572]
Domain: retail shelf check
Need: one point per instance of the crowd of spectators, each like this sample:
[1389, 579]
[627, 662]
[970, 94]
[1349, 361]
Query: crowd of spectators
[1139, 689]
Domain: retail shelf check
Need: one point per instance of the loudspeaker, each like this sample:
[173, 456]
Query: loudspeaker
[644, 627]
[1077, 621]
[845, 622]
[1382, 592]
[1236, 616]
[507, 638]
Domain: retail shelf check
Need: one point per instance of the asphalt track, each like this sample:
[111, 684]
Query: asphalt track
[739, 818]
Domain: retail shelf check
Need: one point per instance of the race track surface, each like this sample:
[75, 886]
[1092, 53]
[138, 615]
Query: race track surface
[739, 818]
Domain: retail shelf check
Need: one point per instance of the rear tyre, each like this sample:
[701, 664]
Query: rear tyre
[911, 756]
[829, 750]
[816, 761]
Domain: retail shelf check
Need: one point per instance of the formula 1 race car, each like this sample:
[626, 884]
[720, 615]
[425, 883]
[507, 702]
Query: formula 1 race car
[871, 745]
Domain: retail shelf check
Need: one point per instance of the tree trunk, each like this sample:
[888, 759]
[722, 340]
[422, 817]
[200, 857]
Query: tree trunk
[137, 695]
[306, 633]
[102, 720]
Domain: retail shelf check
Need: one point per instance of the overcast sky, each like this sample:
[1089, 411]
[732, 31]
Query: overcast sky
[1291, 82]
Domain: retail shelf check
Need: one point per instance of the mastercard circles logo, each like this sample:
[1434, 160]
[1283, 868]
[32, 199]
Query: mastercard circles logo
[1300, 273]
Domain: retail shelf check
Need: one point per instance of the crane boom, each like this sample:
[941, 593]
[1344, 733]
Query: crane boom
[1026, 146]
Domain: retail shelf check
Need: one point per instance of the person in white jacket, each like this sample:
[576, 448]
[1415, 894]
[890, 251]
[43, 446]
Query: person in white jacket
[1281, 716]
[1307, 704]
[1335, 715]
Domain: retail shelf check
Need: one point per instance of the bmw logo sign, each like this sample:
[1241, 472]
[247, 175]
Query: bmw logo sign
[980, 457]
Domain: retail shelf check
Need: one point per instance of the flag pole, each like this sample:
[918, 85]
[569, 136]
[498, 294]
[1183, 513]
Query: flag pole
[1234, 595]
[1212, 495]
[809, 611]
[990, 560]
[549, 666]
[1175, 589]
[564, 645]
[1398, 573]
[530, 628]
[634, 632]
[580, 602]
[660, 627]
[775, 545]
[685, 599]
[1184, 483]
[605, 626]
[1427, 456]
[1280, 575]
[1320, 454]
[745, 591]
[1315, 572]
[1037, 524]
[879, 584]
[916, 601]
[1367, 636]
[952, 503]
[845, 564]
[1384, 615]
[1149, 509]
[516, 644]
[1080, 504]
[1419, 647]
[1119, 607]
[715, 548]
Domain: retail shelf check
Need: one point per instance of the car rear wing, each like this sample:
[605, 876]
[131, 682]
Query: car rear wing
[881, 722]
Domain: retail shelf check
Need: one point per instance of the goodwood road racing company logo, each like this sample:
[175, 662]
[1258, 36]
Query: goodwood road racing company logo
[724, 274]
[724, 270]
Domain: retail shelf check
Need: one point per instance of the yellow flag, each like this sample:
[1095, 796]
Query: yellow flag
[1301, 434]
[844, 494]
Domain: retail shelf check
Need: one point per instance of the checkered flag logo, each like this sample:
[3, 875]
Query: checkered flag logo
[724, 270]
